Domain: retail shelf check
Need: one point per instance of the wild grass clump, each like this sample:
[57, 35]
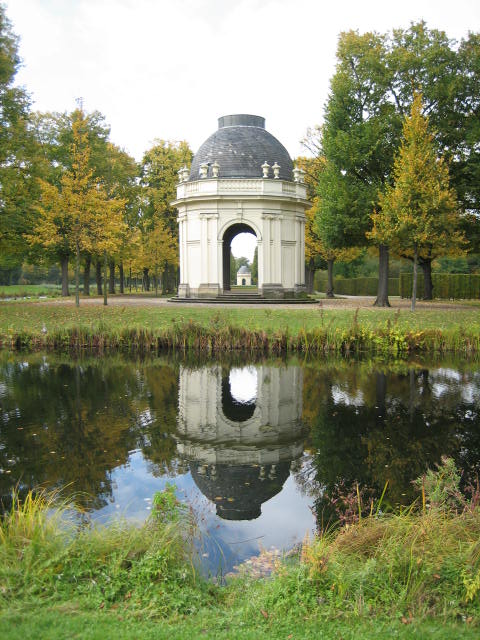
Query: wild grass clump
[423, 561]
[148, 570]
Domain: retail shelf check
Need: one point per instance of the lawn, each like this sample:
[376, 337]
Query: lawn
[29, 290]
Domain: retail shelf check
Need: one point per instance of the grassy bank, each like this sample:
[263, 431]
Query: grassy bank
[30, 290]
[57, 326]
[411, 574]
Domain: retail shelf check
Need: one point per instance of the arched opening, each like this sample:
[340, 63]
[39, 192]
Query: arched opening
[239, 394]
[239, 235]
[244, 282]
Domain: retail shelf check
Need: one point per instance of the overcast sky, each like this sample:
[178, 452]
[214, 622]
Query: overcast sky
[169, 68]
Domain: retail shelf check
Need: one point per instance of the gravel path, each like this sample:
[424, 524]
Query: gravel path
[344, 302]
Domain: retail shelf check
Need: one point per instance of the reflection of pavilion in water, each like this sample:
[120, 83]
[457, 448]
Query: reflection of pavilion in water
[240, 430]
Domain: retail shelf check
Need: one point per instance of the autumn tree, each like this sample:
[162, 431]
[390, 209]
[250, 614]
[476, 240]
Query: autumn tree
[160, 250]
[76, 215]
[159, 177]
[312, 166]
[120, 179]
[54, 136]
[419, 212]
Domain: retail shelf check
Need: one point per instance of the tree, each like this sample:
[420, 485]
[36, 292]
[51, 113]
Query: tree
[371, 93]
[254, 267]
[120, 177]
[19, 162]
[160, 250]
[360, 122]
[77, 216]
[159, 177]
[419, 211]
[54, 134]
[312, 168]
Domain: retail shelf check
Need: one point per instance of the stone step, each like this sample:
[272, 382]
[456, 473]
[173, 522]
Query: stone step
[243, 300]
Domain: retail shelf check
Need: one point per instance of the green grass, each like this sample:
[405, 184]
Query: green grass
[385, 331]
[65, 623]
[29, 290]
[410, 574]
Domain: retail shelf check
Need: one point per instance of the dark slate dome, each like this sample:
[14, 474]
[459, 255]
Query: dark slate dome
[243, 269]
[238, 491]
[240, 146]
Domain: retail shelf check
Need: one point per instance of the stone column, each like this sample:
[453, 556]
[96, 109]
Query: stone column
[209, 286]
[300, 254]
[272, 256]
[266, 249]
[183, 287]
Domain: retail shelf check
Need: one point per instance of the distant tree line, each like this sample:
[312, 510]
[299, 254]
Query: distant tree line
[69, 196]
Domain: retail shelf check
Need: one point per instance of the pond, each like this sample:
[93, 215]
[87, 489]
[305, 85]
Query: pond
[264, 452]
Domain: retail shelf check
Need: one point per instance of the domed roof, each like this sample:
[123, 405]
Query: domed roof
[240, 146]
[238, 491]
[243, 269]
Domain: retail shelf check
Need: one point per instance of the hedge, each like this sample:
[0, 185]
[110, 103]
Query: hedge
[449, 286]
[354, 286]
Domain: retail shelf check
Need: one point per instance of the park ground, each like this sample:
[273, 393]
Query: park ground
[351, 325]
[433, 564]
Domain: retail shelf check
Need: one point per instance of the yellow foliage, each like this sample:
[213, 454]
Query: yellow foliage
[77, 215]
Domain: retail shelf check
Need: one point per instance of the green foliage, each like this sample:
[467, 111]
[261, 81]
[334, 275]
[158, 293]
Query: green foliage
[418, 214]
[412, 572]
[29, 290]
[159, 177]
[166, 506]
[19, 162]
[441, 488]
[413, 563]
[362, 286]
[147, 568]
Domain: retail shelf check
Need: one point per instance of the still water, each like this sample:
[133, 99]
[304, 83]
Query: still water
[263, 452]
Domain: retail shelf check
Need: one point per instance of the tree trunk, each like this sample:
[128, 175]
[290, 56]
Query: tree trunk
[111, 280]
[130, 279]
[64, 265]
[329, 291]
[86, 275]
[120, 269]
[412, 396]
[98, 276]
[426, 265]
[382, 292]
[77, 274]
[146, 279]
[380, 396]
[309, 275]
[415, 270]
[105, 265]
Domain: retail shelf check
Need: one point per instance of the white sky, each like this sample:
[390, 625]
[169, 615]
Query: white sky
[169, 68]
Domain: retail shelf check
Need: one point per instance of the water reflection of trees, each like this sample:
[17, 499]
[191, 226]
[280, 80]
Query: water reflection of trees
[372, 426]
[71, 424]
[366, 424]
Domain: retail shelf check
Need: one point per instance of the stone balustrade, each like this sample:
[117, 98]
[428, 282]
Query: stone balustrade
[232, 186]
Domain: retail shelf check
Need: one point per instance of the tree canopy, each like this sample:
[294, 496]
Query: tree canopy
[418, 213]
[371, 92]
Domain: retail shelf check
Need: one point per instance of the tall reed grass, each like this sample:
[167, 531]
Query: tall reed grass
[48, 554]
[220, 338]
